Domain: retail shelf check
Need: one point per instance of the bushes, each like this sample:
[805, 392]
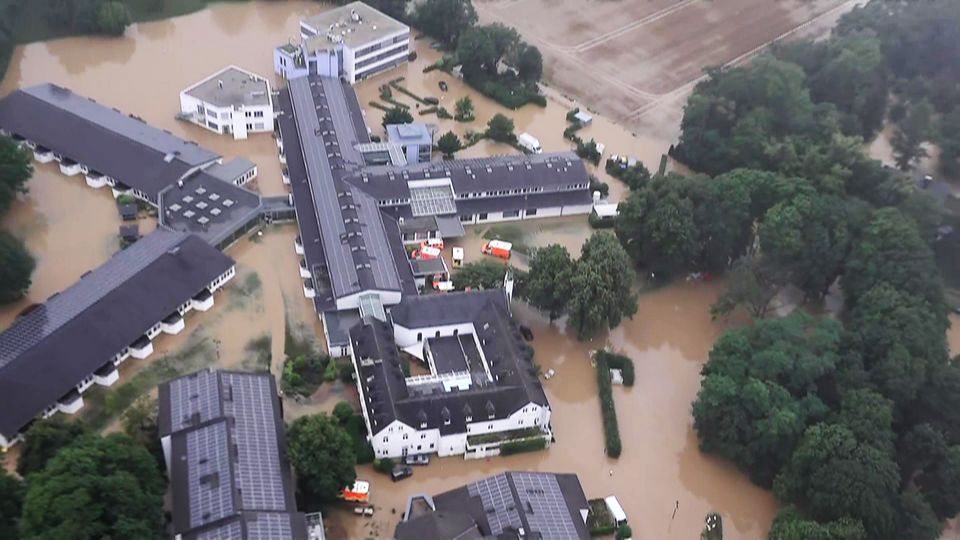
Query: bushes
[303, 374]
[531, 444]
[607, 409]
[507, 91]
[618, 361]
[357, 429]
[384, 465]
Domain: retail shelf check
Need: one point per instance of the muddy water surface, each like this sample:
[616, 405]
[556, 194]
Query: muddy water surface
[72, 228]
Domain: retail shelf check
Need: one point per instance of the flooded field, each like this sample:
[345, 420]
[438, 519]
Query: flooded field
[72, 228]
[635, 61]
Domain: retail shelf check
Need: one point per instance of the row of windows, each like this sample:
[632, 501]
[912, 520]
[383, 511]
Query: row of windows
[483, 216]
[373, 60]
[377, 46]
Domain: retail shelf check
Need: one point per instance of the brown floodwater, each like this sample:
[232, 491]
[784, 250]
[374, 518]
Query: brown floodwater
[72, 228]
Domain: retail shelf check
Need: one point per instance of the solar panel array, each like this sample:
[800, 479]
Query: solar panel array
[194, 399]
[264, 526]
[498, 503]
[60, 309]
[208, 474]
[122, 124]
[249, 400]
[343, 273]
[228, 531]
[543, 505]
[432, 200]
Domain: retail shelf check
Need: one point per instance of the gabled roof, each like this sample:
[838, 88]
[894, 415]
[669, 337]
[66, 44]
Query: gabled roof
[48, 351]
[123, 147]
[229, 472]
[390, 398]
[544, 506]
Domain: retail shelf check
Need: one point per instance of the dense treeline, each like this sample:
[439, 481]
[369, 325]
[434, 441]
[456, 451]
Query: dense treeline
[16, 263]
[852, 422]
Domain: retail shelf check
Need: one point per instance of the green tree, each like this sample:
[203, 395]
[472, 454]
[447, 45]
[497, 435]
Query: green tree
[891, 251]
[113, 18]
[809, 235]
[941, 484]
[445, 20]
[791, 525]
[602, 286]
[900, 337]
[500, 128]
[343, 411]
[15, 171]
[530, 63]
[481, 48]
[464, 109]
[16, 267]
[397, 115]
[759, 391]
[835, 476]
[911, 133]
[44, 440]
[101, 487]
[950, 143]
[140, 424]
[449, 144]
[484, 274]
[322, 454]
[11, 504]
[869, 416]
[547, 286]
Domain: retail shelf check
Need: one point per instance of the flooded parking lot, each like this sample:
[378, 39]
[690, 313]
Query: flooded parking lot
[72, 228]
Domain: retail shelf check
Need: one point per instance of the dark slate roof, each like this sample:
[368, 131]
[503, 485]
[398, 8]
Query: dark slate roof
[439, 525]
[349, 223]
[515, 383]
[448, 354]
[208, 207]
[123, 147]
[229, 472]
[47, 352]
[546, 506]
[550, 172]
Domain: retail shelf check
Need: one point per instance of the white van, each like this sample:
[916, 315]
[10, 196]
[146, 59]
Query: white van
[530, 143]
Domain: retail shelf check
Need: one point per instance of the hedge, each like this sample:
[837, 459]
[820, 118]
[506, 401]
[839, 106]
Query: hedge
[384, 465]
[610, 428]
[624, 364]
[523, 445]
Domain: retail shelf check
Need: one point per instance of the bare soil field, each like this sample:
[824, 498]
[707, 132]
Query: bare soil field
[634, 59]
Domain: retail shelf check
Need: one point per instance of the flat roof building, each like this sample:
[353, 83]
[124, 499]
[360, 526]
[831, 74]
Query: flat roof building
[415, 139]
[535, 505]
[351, 42]
[232, 101]
[79, 336]
[108, 146]
[223, 440]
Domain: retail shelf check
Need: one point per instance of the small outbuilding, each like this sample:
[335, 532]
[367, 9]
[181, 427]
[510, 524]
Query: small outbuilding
[583, 118]
[130, 233]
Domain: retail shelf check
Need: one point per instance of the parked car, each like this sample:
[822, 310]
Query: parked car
[399, 473]
[526, 332]
[417, 459]
[443, 86]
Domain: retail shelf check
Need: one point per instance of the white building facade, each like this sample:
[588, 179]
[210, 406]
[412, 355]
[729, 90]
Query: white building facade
[232, 101]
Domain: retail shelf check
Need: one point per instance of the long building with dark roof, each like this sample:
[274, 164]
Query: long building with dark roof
[79, 336]
[222, 435]
[507, 506]
[108, 146]
[353, 212]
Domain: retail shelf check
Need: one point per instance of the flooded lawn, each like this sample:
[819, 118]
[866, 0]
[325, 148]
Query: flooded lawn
[72, 228]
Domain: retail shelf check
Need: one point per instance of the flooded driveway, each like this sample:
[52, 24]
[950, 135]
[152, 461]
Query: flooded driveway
[72, 228]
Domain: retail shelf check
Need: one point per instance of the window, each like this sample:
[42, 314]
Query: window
[532, 212]
[418, 447]
[201, 109]
[482, 217]
[511, 213]
[213, 125]
[456, 331]
[247, 114]
[431, 446]
[404, 436]
[258, 114]
[419, 337]
[249, 127]
[438, 333]
[423, 435]
[258, 125]
[385, 439]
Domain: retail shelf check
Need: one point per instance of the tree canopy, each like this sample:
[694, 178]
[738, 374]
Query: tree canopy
[397, 115]
[11, 504]
[483, 274]
[100, 487]
[322, 454]
[601, 287]
[16, 267]
[15, 171]
[547, 284]
[449, 144]
[445, 20]
[44, 440]
[500, 128]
